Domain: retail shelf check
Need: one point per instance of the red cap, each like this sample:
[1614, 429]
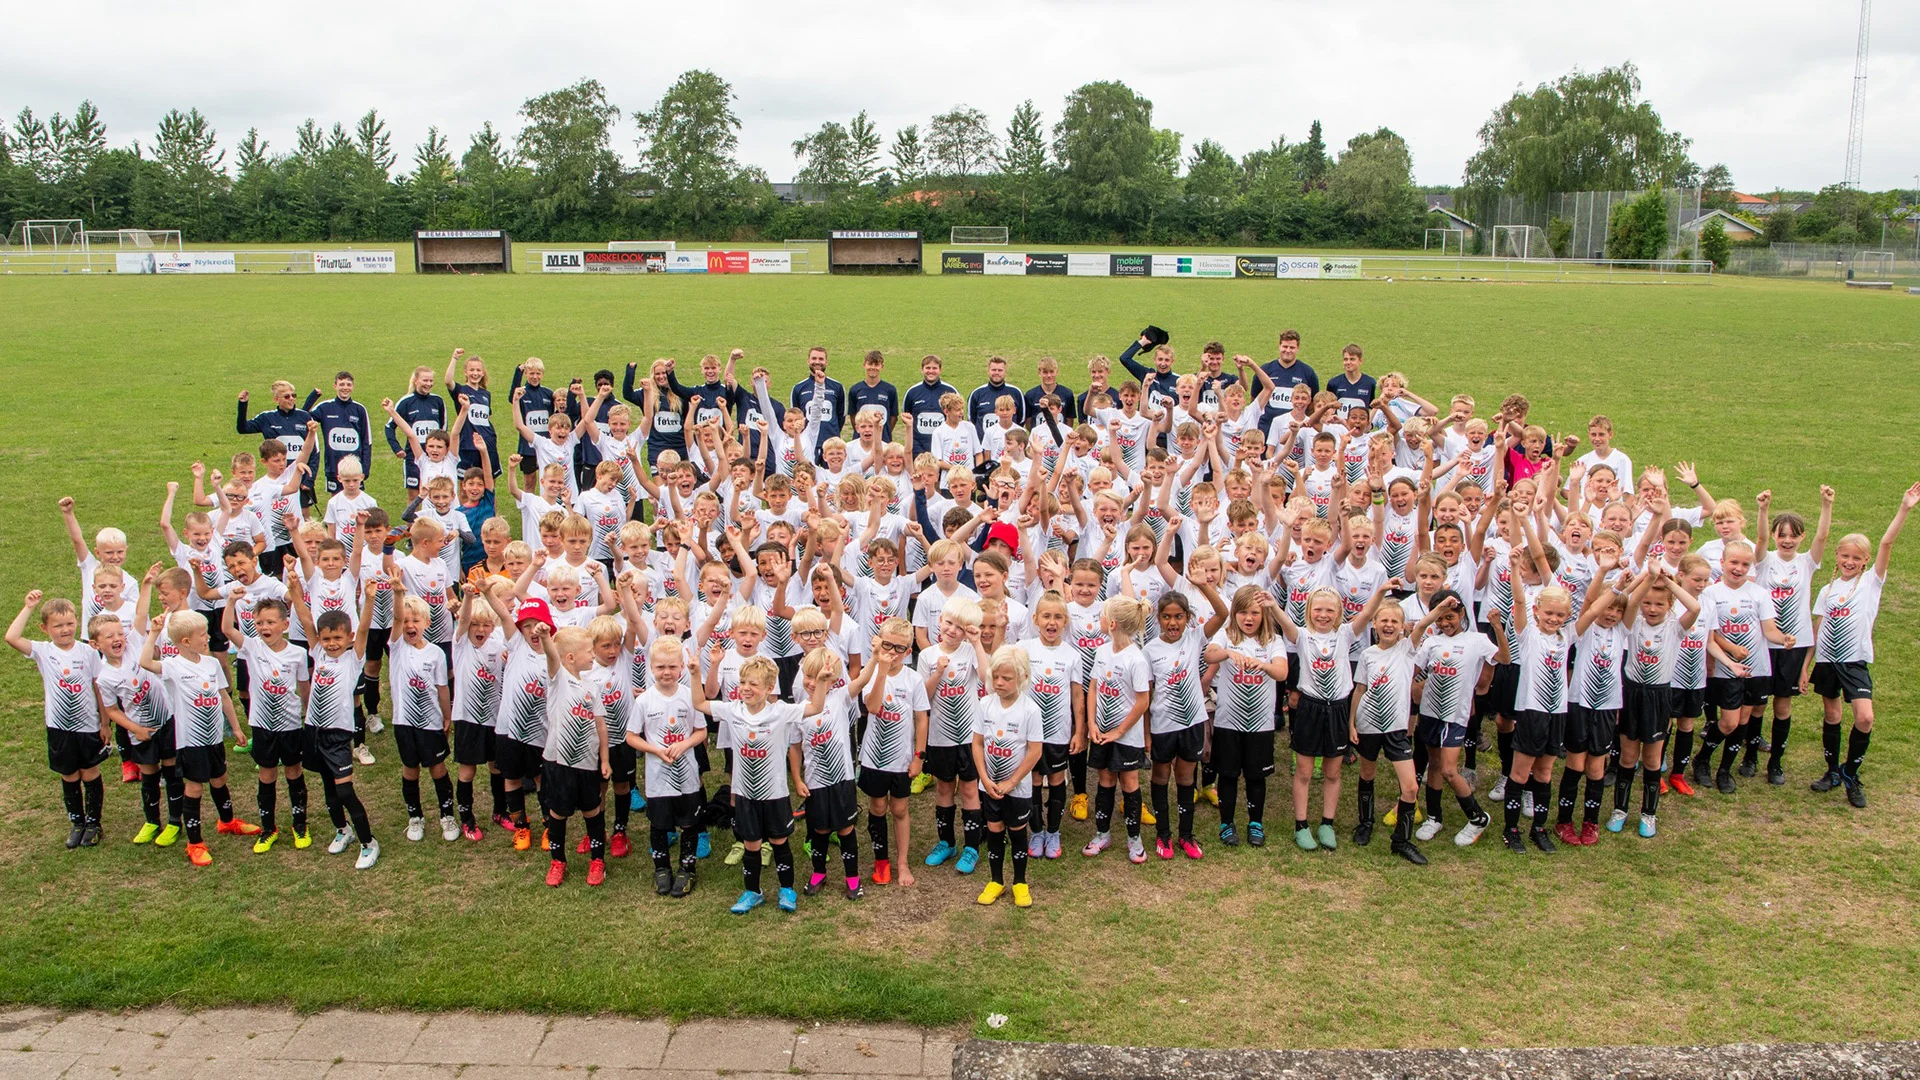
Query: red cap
[533, 609]
[1006, 534]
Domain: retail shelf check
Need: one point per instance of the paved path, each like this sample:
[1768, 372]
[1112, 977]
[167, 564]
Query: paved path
[270, 1044]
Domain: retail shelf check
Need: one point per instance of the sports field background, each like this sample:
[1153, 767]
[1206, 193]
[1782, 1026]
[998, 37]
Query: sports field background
[1773, 915]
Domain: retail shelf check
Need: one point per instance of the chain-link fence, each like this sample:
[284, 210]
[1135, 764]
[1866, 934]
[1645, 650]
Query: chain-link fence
[1575, 222]
[1825, 262]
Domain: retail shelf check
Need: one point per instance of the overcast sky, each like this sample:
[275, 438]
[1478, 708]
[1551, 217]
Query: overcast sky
[1762, 85]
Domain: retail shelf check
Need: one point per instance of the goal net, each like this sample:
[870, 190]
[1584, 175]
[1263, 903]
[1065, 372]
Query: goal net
[1520, 242]
[134, 239]
[981, 235]
[1445, 238]
[47, 235]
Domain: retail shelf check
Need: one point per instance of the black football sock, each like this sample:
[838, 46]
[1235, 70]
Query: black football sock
[1512, 807]
[1682, 751]
[1130, 807]
[622, 810]
[557, 839]
[996, 855]
[150, 797]
[1419, 759]
[973, 825]
[410, 793]
[1077, 772]
[1470, 806]
[1363, 802]
[71, 795]
[373, 695]
[1403, 821]
[1326, 821]
[1649, 793]
[943, 824]
[1830, 746]
[1183, 799]
[297, 802]
[1228, 788]
[1056, 806]
[463, 801]
[877, 829]
[1750, 736]
[750, 868]
[190, 818]
[818, 851]
[93, 797]
[597, 836]
[689, 849]
[222, 802]
[1018, 839]
[1569, 791]
[267, 797]
[1857, 741]
[356, 811]
[1730, 750]
[849, 856]
[1163, 821]
[658, 847]
[497, 787]
[1434, 805]
[1777, 748]
[1256, 799]
[176, 790]
[783, 863]
[1470, 748]
[1623, 791]
[359, 725]
[336, 810]
[1103, 809]
[443, 794]
[1505, 741]
[1542, 794]
[1596, 790]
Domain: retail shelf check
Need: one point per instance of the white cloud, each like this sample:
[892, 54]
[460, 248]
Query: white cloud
[1763, 86]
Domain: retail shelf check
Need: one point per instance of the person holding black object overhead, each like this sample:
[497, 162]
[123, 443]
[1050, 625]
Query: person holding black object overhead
[873, 392]
[1159, 381]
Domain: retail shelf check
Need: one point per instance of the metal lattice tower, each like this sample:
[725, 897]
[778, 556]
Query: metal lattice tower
[1856, 126]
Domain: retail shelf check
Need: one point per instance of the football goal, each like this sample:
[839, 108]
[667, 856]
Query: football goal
[1456, 239]
[134, 239]
[979, 235]
[1520, 242]
[47, 235]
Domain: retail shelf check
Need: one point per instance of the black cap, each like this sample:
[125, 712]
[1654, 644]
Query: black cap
[1155, 335]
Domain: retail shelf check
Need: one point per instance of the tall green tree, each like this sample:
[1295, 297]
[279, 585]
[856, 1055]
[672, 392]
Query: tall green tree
[687, 145]
[1024, 162]
[828, 157]
[431, 189]
[492, 181]
[1113, 170]
[1212, 186]
[1716, 188]
[32, 146]
[186, 147]
[909, 157]
[1310, 160]
[959, 143]
[568, 140]
[863, 157]
[1373, 181]
[1582, 132]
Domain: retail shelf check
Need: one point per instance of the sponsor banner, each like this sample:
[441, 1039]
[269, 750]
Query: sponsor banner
[686, 262]
[1347, 269]
[458, 234]
[873, 234]
[1081, 264]
[1213, 266]
[962, 262]
[134, 262]
[1296, 266]
[353, 262]
[769, 262]
[1004, 262]
[624, 262]
[1046, 264]
[1132, 265]
[563, 262]
[1172, 266]
[193, 262]
[731, 262]
[1263, 266]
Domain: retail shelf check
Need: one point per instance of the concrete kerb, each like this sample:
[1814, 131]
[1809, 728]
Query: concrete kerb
[980, 1060]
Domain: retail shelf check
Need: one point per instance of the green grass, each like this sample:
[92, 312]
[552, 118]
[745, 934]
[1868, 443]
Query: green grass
[1774, 915]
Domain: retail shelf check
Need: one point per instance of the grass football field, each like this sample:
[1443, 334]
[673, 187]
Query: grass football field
[1771, 915]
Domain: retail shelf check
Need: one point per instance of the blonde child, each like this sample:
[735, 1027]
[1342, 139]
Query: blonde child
[1322, 712]
[77, 737]
[574, 763]
[1007, 736]
[665, 726]
[1247, 658]
[825, 740]
[894, 747]
[1116, 690]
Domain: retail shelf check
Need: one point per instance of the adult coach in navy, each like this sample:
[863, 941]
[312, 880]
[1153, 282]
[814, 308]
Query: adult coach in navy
[1287, 372]
[822, 400]
[284, 421]
[923, 403]
[873, 392]
[980, 402]
[345, 429]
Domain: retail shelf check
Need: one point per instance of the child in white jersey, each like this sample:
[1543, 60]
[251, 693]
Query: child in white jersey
[1786, 573]
[1322, 725]
[1652, 647]
[1006, 746]
[892, 752]
[665, 726]
[1382, 702]
[1247, 658]
[336, 661]
[77, 736]
[1116, 690]
[1052, 663]
[1176, 719]
[1740, 615]
[826, 750]
[951, 668]
[1538, 643]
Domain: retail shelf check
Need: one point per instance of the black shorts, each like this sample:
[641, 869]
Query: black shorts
[675, 812]
[69, 752]
[154, 750]
[377, 642]
[1851, 681]
[1737, 693]
[273, 749]
[789, 668]
[951, 763]
[420, 747]
[832, 808]
[569, 791]
[1237, 752]
[1502, 691]
[625, 761]
[1645, 709]
[1053, 758]
[1539, 734]
[203, 764]
[1592, 731]
[880, 784]
[1012, 811]
[1184, 745]
[1116, 757]
[473, 743]
[1690, 703]
[1395, 744]
[1440, 735]
[517, 760]
[329, 751]
[762, 819]
[1787, 666]
[216, 628]
[1320, 727]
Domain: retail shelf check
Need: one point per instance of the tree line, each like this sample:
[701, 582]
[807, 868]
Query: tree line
[1099, 171]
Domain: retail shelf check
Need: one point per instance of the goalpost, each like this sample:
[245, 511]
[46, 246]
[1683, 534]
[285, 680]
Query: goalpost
[48, 235]
[1459, 240]
[979, 235]
[134, 239]
[1875, 262]
[1520, 242]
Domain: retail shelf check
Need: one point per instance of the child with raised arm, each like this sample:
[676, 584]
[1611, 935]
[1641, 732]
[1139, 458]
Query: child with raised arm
[196, 687]
[1322, 714]
[479, 665]
[276, 688]
[337, 659]
[1382, 701]
[575, 761]
[1646, 703]
[1456, 664]
[665, 726]
[77, 736]
[1786, 573]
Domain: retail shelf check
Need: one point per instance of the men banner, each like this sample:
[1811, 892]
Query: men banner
[563, 262]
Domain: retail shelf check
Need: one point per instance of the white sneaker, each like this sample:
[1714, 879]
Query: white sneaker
[369, 854]
[416, 829]
[1428, 829]
[1466, 836]
[374, 726]
[449, 828]
[1526, 805]
[363, 755]
[340, 841]
[1499, 791]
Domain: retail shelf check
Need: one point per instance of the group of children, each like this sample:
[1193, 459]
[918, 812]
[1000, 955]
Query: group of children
[1059, 591]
